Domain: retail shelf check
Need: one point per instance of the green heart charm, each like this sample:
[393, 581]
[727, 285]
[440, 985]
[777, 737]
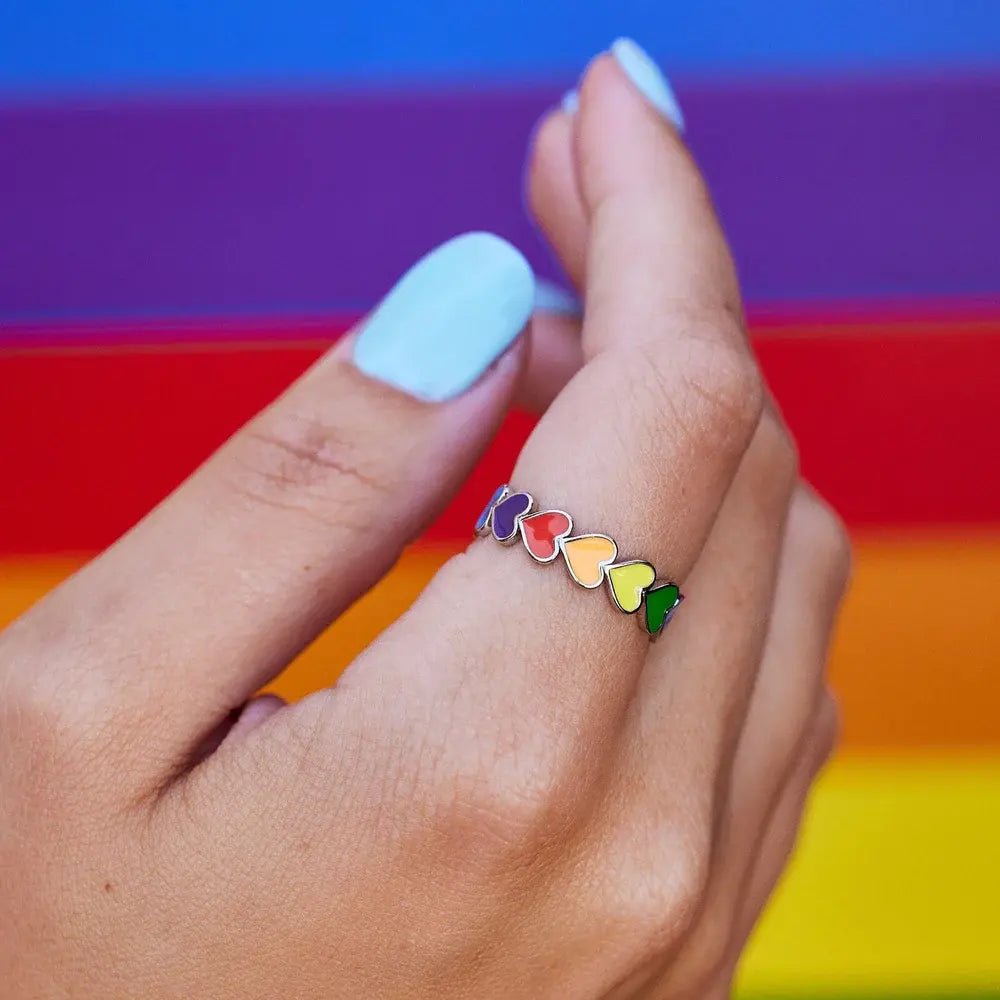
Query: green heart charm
[661, 602]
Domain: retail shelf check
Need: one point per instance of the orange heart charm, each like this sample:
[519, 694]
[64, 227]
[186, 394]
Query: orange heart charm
[587, 558]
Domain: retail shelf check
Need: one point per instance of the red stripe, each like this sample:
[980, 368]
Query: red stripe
[898, 428]
[897, 425]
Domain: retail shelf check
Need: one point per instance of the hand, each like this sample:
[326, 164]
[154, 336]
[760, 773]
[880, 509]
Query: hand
[511, 794]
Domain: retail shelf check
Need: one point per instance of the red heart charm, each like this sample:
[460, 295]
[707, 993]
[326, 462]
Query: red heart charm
[542, 531]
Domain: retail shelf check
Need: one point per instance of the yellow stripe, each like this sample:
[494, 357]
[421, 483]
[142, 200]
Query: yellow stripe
[896, 884]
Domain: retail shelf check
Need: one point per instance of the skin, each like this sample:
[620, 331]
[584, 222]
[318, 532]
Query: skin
[511, 793]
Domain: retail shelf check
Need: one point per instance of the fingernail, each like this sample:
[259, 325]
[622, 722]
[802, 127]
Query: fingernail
[648, 79]
[448, 318]
[570, 102]
[551, 298]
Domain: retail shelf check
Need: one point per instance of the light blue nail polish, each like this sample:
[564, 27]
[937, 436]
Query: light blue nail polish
[570, 102]
[648, 79]
[551, 298]
[448, 318]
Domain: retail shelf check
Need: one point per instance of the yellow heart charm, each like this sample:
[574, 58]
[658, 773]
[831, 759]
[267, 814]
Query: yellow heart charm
[628, 580]
[587, 557]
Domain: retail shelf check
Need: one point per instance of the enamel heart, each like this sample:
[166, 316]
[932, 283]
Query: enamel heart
[627, 581]
[661, 603]
[483, 521]
[541, 533]
[507, 513]
[588, 556]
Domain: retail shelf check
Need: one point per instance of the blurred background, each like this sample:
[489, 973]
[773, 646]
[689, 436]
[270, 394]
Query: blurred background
[195, 198]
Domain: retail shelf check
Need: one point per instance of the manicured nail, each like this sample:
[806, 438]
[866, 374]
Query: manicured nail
[448, 318]
[570, 102]
[551, 298]
[648, 79]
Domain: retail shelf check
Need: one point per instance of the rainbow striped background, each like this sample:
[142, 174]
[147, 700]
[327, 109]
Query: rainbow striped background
[196, 198]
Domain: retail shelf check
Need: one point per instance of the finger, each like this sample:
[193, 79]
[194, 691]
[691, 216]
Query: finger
[784, 825]
[553, 184]
[238, 723]
[639, 335]
[554, 357]
[256, 711]
[553, 193]
[553, 198]
[812, 580]
[642, 444]
[791, 682]
[780, 723]
[695, 689]
[291, 520]
[645, 210]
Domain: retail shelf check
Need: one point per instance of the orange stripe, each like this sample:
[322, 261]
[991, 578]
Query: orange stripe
[916, 655]
[914, 662]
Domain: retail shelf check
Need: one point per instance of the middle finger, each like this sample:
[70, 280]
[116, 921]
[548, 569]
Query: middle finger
[642, 444]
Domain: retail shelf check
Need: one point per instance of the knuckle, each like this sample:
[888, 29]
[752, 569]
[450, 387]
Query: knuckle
[827, 729]
[311, 463]
[501, 823]
[708, 952]
[511, 800]
[496, 801]
[780, 452]
[656, 906]
[49, 745]
[711, 390]
[770, 468]
[725, 382]
[509, 818]
[545, 160]
[823, 537]
[687, 884]
[32, 708]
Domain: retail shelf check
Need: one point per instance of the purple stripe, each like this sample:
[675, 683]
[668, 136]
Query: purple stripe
[849, 190]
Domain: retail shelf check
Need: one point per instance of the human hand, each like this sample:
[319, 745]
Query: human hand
[512, 793]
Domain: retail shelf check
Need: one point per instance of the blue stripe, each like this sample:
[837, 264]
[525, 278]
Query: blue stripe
[52, 45]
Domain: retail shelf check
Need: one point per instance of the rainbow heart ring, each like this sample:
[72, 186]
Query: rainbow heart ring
[590, 559]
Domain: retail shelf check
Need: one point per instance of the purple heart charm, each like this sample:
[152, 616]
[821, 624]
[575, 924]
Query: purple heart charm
[483, 522]
[508, 513]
